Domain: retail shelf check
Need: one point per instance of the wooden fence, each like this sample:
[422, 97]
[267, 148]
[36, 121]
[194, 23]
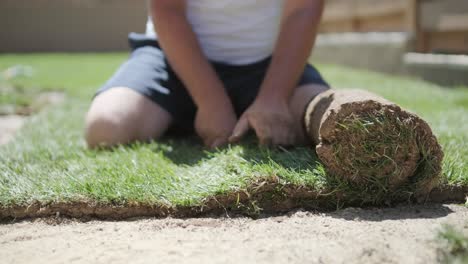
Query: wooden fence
[438, 25]
[102, 25]
[443, 26]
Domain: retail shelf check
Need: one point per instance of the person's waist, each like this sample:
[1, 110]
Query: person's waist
[244, 61]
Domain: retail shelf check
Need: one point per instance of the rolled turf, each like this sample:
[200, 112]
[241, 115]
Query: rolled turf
[367, 140]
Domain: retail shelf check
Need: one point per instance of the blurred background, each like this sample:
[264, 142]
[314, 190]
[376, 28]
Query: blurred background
[426, 38]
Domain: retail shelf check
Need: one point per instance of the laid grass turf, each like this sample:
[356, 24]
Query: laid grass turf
[48, 161]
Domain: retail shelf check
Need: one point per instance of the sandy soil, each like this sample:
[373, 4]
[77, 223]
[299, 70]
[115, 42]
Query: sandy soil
[9, 125]
[398, 235]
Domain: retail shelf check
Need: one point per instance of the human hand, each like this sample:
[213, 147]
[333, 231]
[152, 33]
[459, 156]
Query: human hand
[214, 123]
[272, 121]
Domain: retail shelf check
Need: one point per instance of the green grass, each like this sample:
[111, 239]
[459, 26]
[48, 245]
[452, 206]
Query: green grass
[48, 161]
[453, 246]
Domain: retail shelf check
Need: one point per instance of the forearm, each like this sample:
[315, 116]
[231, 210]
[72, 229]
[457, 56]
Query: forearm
[295, 42]
[183, 51]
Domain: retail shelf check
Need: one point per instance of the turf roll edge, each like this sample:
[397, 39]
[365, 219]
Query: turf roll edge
[368, 141]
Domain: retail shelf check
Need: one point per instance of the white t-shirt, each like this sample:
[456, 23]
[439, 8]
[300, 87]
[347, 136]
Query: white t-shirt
[235, 32]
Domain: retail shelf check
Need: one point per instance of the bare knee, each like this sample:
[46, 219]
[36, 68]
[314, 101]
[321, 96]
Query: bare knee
[103, 129]
[122, 116]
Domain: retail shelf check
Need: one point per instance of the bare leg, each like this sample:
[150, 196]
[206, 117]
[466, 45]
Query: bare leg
[121, 115]
[298, 104]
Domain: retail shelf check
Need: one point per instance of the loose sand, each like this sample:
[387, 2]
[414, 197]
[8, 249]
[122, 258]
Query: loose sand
[9, 125]
[397, 235]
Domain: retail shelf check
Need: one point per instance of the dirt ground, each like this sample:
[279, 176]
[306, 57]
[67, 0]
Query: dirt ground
[396, 235]
[9, 125]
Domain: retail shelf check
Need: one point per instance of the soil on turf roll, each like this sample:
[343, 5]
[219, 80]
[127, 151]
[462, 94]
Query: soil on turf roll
[366, 140]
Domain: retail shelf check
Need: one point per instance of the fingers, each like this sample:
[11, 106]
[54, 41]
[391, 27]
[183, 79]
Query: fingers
[280, 133]
[218, 142]
[242, 127]
[215, 142]
[284, 135]
[265, 140]
[263, 131]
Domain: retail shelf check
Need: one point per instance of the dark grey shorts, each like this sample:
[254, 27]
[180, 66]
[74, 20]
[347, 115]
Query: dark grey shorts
[148, 72]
